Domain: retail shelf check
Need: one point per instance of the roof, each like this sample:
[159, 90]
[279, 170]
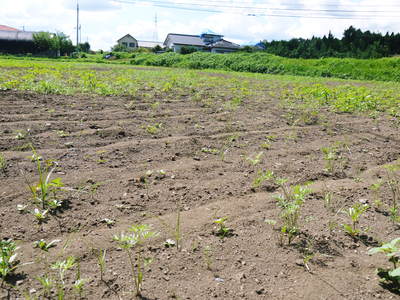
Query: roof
[7, 28]
[127, 35]
[225, 44]
[185, 39]
[149, 44]
[23, 36]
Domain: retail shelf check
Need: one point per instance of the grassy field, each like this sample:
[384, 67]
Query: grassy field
[173, 183]
[385, 69]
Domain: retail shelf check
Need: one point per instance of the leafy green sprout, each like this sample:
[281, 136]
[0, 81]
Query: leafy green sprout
[47, 284]
[207, 254]
[45, 190]
[256, 159]
[393, 181]
[354, 212]
[40, 216]
[392, 251]
[154, 129]
[290, 202]
[63, 266]
[330, 156]
[8, 258]
[43, 245]
[222, 231]
[134, 240]
[261, 177]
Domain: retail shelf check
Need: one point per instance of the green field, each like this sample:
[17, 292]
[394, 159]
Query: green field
[384, 69]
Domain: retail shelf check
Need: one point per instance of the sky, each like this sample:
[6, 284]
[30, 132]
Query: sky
[103, 22]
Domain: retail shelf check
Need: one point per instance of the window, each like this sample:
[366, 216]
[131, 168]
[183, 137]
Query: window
[132, 45]
[125, 44]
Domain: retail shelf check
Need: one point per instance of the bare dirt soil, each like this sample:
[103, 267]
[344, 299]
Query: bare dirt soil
[103, 150]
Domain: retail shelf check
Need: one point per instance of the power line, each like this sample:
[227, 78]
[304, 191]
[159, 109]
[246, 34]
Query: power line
[210, 3]
[185, 6]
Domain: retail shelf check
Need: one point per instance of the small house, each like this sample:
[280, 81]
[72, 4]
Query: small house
[128, 41]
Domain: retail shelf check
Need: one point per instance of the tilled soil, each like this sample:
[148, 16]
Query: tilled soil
[103, 150]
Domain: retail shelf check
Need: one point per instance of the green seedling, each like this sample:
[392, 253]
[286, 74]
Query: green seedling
[40, 216]
[63, 266]
[260, 178]
[21, 208]
[3, 163]
[375, 189]
[222, 231]
[392, 251]
[290, 202]
[43, 245]
[8, 258]
[175, 231]
[354, 212]
[101, 261]
[154, 129]
[109, 222]
[46, 189]
[256, 159]
[393, 181]
[78, 286]
[330, 157]
[134, 241]
[21, 134]
[328, 201]
[47, 284]
[210, 150]
[207, 254]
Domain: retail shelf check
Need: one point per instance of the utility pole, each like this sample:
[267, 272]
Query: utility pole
[155, 35]
[77, 23]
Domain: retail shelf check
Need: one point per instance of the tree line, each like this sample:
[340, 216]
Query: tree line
[56, 44]
[355, 43]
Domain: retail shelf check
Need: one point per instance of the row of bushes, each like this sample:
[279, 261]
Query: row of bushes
[385, 69]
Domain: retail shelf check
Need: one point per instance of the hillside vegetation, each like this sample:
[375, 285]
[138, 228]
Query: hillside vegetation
[385, 69]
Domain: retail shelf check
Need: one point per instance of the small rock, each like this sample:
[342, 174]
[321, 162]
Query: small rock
[219, 279]
[299, 262]
[32, 291]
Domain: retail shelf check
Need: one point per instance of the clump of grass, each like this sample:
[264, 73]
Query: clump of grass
[8, 258]
[134, 241]
[290, 202]
[3, 163]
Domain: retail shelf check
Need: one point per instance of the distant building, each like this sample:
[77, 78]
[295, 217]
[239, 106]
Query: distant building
[15, 41]
[204, 42]
[150, 44]
[131, 43]
[128, 41]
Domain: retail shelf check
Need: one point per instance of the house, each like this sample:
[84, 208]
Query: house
[131, 43]
[128, 41]
[205, 42]
[16, 41]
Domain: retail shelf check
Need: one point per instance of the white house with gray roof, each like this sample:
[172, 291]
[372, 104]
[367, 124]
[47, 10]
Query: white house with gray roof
[204, 42]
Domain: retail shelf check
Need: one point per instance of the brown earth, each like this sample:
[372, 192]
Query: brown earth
[103, 149]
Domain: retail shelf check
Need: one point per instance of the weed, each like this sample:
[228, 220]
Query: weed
[207, 255]
[43, 245]
[354, 213]
[135, 240]
[223, 231]
[154, 129]
[255, 159]
[101, 261]
[63, 266]
[3, 163]
[393, 181]
[47, 284]
[290, 202]
[40, 216]
[46, 189]
[8, 258]
[260, 178]
[392, 251]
